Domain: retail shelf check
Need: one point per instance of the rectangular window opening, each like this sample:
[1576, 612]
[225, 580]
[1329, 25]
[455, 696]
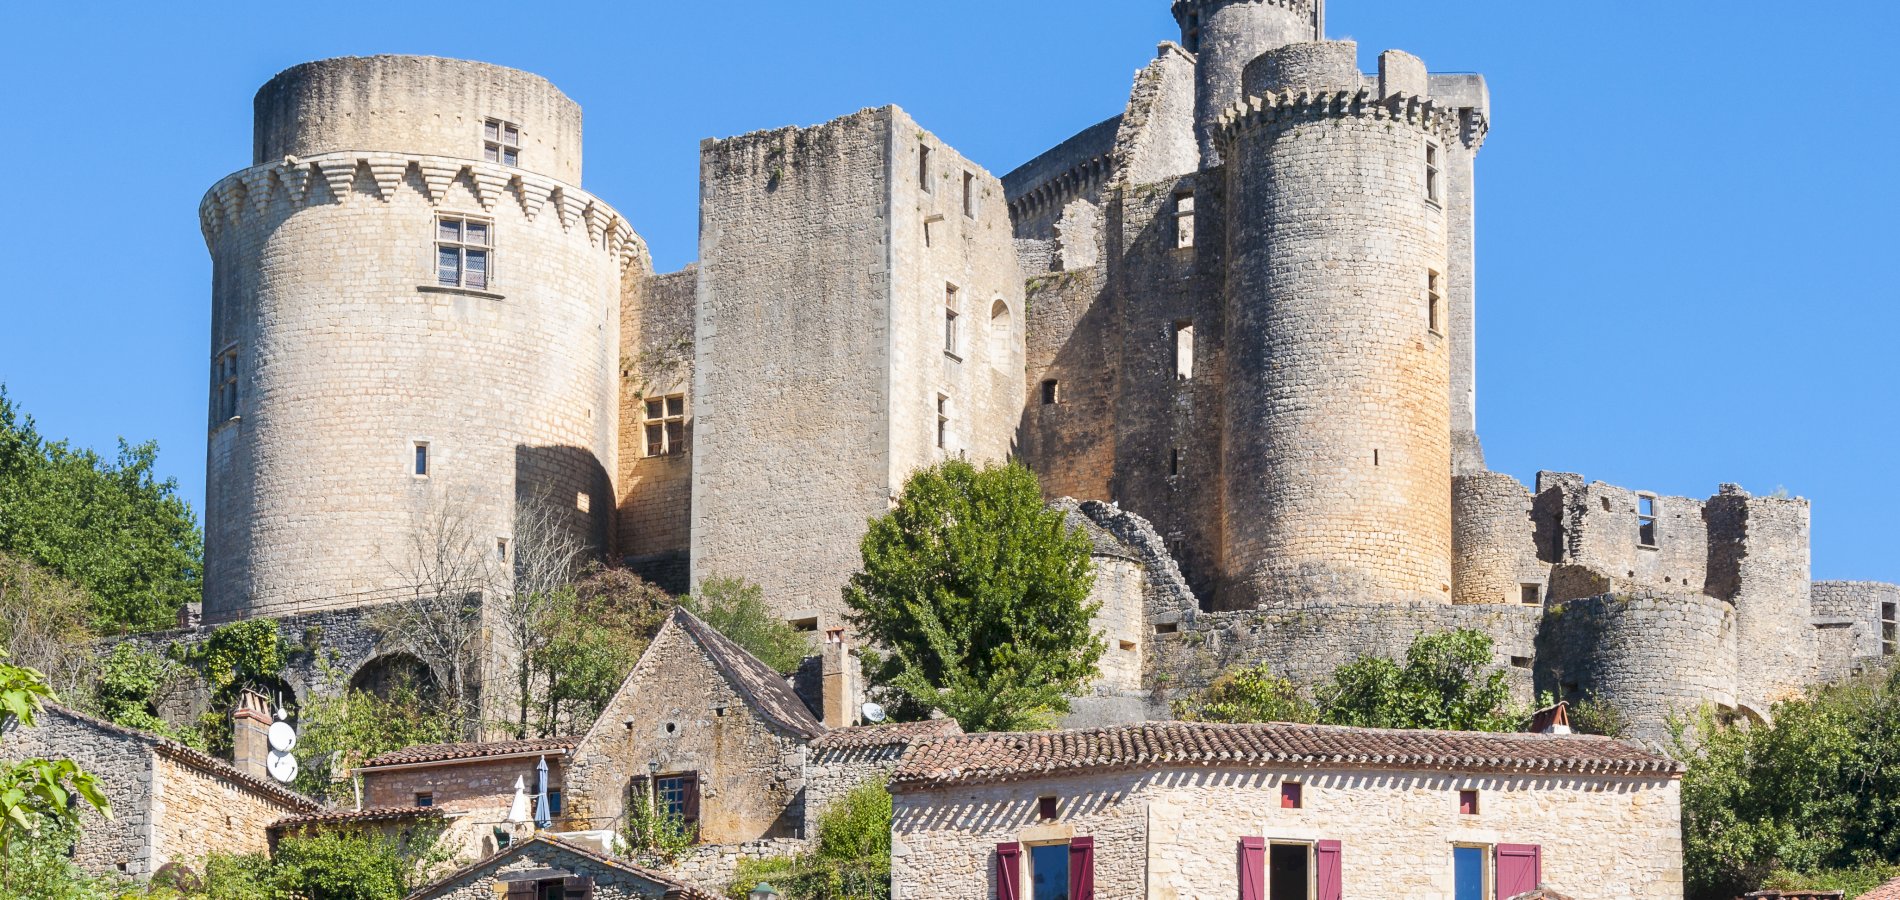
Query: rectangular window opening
[1049, 872]
[923, 168]
[422, 459]
[583, 501]
[809, 623]
[950, 314]
[1167, 627]
[1184, 350]
[1467, 803]
[943, 422]
[1051, 392]
[1646, 520]
[501, 142]
[1531, 594]
[1520, 662]
[1183, 220]
[425, 798]
[1129, 646]
[664, 419]
[464, 251]
[1434, 302]
[1432, 173]
[969, 195]
[501, 549]
[1889, 629]
[1289, 872]
[1174, 461]
[224, 372]
[1046, 808]
[1292, 795]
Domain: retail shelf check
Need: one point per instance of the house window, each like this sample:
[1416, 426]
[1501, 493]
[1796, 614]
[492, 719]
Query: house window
[1889, 629]
[464, 248]
[1435, 302]
[1183, 350]
[224, 373]
[1289, 872]
[923, 168]
[678, 796]
[665, 422]
[501, 142]
[1049, 872]
[1292, 795]
[1432, 169]
[1183, 220]
[1467, 803]
[1046, 808]
[1646, 520]
[943, 422]
[554, 803]
[950, 319]
[425, 798]
[1051, 392]
[501, 549]
[422, 459]
[969, 195]
[1531, 594]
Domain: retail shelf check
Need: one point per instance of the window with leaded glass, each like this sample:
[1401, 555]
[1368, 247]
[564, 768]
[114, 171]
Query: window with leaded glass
[501, 142]
[665, 421]
[464, 252]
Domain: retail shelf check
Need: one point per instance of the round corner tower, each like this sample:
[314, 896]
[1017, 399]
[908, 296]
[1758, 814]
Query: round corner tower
[414, 323]
[1337, 443]
[1226, 35]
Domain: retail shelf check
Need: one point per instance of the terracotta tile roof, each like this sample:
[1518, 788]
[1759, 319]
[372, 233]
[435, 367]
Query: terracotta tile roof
[979, 758]
[197, 759]
[893, 735]
[674, 888]
[427, 753]
[765, 690]
[356, 816]
[1888, 891]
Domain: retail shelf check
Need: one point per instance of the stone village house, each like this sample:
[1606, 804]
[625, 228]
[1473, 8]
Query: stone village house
[548, 868]
[1184, 811]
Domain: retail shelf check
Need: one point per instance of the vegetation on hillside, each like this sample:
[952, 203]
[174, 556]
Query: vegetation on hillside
[981, 594]
[851, 859]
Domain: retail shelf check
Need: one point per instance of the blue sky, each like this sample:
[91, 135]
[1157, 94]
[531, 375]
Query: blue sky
[1686, 209]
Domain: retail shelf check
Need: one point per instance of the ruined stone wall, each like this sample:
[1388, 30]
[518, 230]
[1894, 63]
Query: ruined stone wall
[1858, 638]
[688, 718]
[1156, 140]
[1650, 657]
[1599, 529]
[423, 104]
[1494, 552]
[1337, 466]
[195, 813]
[125, 767]
[1076, 169]
[1118, 694]
[1176, 833]
[1226, 35]
[1765, 541]
[830, 774]
[348, 353]
[1072, 336]
[656, 488]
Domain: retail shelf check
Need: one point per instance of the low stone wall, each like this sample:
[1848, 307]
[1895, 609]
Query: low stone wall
[196, 813]
[713, 866]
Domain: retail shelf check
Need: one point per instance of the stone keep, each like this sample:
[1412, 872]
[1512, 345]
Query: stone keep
[341, 354]
[1226, 35]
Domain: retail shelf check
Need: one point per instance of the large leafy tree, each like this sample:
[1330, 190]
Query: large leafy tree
[1449, 681]
[981, 593]
[1252, 694]
[109, 525]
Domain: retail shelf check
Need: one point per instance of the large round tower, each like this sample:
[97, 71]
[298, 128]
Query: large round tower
[1226, 35]
[1337, 401]
[414, 323]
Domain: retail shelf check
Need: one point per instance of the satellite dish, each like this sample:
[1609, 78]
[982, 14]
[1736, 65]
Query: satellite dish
[873, 712]
[283, 738]
[282, 766]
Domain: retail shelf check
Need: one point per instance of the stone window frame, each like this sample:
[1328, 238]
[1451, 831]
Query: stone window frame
[1051, 391]
[943, 422]
[1470, 803]
[1531, 593]
[1312, 860]
[969, 195]
[952, 328]
[671, 423]
[923, 168]
[1889, 628]
[1648, 524]
[1184, 220]
[1435, 302]
[1028, 862]
[463, 247]
[501, 142]
[1487, 864]
[1002, 328]
[1434, 173]
[1182, 334]
[422, 459]
[224, 375]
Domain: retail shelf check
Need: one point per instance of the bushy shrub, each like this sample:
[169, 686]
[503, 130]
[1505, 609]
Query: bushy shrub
[736, 608]
[851, 859]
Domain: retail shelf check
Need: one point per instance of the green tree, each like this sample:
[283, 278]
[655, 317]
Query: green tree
[850, 861]
[111, 526]
[981, 593]
[339, 733]
[1448, 682]
[595, 632]
[736, 608]
[131, 684]
[40, 865]
[1252, 694]
[35, 794]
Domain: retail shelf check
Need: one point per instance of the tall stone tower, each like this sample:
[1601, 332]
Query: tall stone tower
[1337, 403]
[1226, 35]
[415, 322]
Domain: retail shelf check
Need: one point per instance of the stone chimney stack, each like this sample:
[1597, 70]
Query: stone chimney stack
[250, 725]
[841, 691]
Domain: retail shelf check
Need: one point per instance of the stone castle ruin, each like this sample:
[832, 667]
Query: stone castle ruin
[1235, 322]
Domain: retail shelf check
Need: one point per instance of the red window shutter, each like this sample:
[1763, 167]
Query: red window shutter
[1082, 868]
[1520, 869]
[1326, 858]
[692, 798]
[1253, 868]
[1009, 872]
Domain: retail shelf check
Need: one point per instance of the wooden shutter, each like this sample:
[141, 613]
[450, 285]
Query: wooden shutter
[1326, 859]
[1520, 869]
[520, 890]
[1009, 872]
[1082, 868]
[1253, 868]
[691, 787]
[578, 887]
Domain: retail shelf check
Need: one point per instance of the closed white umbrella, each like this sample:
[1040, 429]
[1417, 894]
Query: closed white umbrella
[518, 811]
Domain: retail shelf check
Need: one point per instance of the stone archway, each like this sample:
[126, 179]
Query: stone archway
[385, 674]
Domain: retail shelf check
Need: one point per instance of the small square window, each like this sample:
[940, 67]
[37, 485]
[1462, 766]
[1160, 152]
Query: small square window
[1467, 803]
[501, 142]
[422, 459]
[584, 501]
[1051, 392]
[425, 798]
[1292, 795]
[1531, 594]
[1046, 808]
[665, 425]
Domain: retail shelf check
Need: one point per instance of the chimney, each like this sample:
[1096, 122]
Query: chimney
[250, 726]
[839, 677]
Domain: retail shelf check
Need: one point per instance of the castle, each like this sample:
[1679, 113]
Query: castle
[1236, 321]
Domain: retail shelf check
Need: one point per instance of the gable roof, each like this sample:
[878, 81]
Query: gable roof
[356, 816]
[469, 751]
[545, 840]
[982, 758]
[763, 688]
[197, 759]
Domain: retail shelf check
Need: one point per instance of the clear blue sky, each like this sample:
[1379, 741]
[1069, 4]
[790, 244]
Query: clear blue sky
[1687, 228]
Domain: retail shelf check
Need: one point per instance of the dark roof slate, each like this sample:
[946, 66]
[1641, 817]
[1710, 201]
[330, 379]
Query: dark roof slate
[900, 734]
[980, 758]
[472, 750]
[764, 689]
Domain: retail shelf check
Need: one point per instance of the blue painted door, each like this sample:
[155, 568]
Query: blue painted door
[1049, 872]
[1468, 863]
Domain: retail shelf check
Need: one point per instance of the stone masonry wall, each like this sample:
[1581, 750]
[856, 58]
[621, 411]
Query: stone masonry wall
[125, 768]
[656, 491]
[1857, 608]
[1231, 35]
[488, 882]
[1649, 657]
[1174, 834]
[1765, 540]
[1494, 552]
[1068, 439]
[195, 813]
